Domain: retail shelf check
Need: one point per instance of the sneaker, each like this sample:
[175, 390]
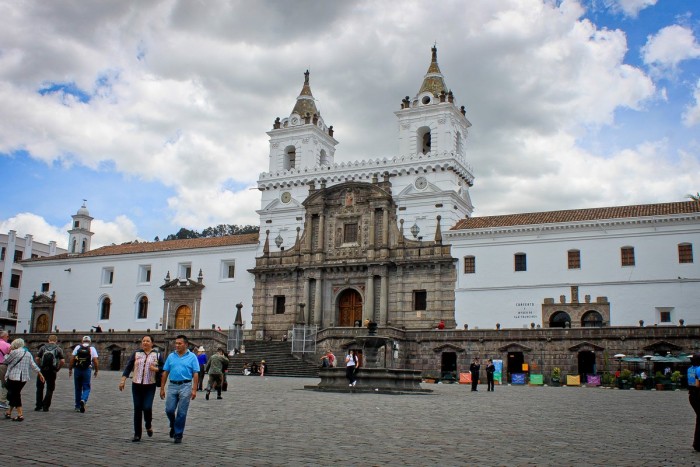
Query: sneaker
[82, 406]
[354, 383]
[207, 396]
[4, 406]
[178, 440]
[350, 384]
[219, 397]
[77, 409]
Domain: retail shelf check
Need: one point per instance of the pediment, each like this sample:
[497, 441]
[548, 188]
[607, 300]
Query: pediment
[182, 283]
[661, 347]
[448, 347]
[411, 190]
[514, 347]
[584, 346]
[42, 298]
[276, 205]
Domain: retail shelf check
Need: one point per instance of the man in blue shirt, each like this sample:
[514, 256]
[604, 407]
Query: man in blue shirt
[182, 369]
[694, 396]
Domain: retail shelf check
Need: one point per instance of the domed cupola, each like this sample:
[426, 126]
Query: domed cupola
[79, 235]
[434, 81]
[306, 104]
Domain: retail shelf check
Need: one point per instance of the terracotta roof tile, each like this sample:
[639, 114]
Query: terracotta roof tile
[166, 245]
[579, 215]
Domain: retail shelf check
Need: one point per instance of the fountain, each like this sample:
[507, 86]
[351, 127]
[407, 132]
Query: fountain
[373, 376]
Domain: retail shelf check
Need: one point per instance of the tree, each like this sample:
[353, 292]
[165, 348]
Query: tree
[221, 230]
[694, 197]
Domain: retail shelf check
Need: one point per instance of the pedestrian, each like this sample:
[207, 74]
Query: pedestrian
[50, 359]
[694, 396]
[263, 367]
[490, 370]
[19, 363]
[4, 351]
[182, 369]
[83, 360]
[215, 369]
[474, 370]
[254, 368]
[331, 359]
[202, 359]
[350, 366]
[145, 364]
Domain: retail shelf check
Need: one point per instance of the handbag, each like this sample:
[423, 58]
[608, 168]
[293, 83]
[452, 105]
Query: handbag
[159, 373]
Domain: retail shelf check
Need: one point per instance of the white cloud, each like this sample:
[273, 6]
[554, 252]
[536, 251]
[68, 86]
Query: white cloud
[632, 8]
[670, 46]
[691, 116]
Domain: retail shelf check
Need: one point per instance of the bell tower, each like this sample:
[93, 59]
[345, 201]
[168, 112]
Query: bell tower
[431, 123]
[79, 235]
[302, 140]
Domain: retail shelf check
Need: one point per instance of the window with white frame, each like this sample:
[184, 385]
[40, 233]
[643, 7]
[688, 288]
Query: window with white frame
[107, 276]
[184, 270]
[228, 269]
[145, 274]
[664, 314]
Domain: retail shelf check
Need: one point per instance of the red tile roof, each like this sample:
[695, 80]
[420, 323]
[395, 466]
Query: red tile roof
[579, 215]
[166, 245]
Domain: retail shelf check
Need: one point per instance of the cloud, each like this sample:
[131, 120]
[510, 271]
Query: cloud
[670, 46]
[691, 116]
[632, 8]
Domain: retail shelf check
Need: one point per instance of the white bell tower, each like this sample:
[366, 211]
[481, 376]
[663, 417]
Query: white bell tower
[79, 235]
[302, 140]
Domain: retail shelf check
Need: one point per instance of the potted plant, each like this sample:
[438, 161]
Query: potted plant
[659, 381]
[607, 380]
[556, 376]
[625, 379]
[676, 379]
[638, 382]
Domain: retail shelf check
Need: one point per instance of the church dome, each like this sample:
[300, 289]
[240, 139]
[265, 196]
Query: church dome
[83, 211]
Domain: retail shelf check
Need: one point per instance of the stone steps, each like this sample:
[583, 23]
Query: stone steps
[278, 357]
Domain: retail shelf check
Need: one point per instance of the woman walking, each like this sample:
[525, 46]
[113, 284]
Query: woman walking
[145, 364]
[19, 363]
[350, 366]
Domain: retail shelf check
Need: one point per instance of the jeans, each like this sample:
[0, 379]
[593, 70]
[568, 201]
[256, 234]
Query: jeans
[44, 401]
[178, 398]
[143, 405]
[81, 380]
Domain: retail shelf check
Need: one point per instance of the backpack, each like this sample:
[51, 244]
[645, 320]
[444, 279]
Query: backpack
[49, 360]
[83, 357]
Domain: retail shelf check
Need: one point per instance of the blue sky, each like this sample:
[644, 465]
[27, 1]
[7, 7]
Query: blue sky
[156, 112]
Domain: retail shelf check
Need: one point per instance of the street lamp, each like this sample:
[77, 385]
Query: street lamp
[619, 357]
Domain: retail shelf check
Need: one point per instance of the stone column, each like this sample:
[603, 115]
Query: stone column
[321, 228]
[305, 299]
[369, 298]
[318, 303]
[371, 228]
[383, 300]
[385, 224]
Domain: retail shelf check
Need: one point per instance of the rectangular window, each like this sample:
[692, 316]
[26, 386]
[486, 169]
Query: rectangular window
[18, 256]
[184, 270]
[520, 262]
[627, 255]
[420, 300]
[685, 253]
[14, 281]
[145, 274]
[665, 316]
[76, 224]
[2, 254]
[228, 269]
[12, 306]
[350, 233]
[279, 304]
[107, 276]
[45, 287]
[469, 265]
[574, 259]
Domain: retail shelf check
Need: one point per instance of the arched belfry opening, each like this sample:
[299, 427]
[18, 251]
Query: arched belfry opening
[290, 158]
[424, 140]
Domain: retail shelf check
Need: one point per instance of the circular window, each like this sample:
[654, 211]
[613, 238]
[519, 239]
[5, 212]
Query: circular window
[425, 100]
[295, 121]
[286, 197]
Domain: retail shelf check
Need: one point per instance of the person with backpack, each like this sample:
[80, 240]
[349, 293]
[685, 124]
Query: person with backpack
[50, 359]
[146, 364]
[694, 396]
[83, 359]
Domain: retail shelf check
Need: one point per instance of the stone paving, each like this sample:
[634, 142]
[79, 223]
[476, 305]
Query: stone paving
[273, 421]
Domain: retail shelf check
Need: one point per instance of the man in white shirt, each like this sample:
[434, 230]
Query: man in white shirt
[83, 360]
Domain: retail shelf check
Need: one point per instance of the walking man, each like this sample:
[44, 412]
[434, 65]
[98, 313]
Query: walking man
[50, 360]
[474, 370]
[182, 369]
[215, 368]
[83, 360]
[4, 350]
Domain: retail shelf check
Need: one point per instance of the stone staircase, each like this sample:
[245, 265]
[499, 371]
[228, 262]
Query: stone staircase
[279, 358]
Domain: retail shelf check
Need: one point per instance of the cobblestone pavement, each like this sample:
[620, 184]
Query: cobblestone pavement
[273, 421]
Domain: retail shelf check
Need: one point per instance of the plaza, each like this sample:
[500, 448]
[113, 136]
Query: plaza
[274, 421]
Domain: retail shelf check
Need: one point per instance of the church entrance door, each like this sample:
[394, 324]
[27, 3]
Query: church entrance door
[183, 317]
[349, 308]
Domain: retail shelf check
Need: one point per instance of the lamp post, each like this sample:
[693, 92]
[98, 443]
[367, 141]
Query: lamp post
[648, 368]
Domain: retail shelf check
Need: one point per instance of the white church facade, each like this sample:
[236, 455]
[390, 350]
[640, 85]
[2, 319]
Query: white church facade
[391, 240]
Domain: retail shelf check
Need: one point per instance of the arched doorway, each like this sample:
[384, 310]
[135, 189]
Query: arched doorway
[560, 319]
[349, 307]
[42, 324]
[592, 319]
[183, 317]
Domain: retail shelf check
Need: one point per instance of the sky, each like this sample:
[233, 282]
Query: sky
[156, 112]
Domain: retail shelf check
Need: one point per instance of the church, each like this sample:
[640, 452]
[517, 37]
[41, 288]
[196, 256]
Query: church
[393, 241]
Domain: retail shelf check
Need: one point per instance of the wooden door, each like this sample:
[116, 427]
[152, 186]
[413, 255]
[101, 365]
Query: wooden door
[183, 317]
[349, 308]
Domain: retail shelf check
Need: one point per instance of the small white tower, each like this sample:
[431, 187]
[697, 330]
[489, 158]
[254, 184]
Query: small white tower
[303, 140]
[79, 236]
[431, 123]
